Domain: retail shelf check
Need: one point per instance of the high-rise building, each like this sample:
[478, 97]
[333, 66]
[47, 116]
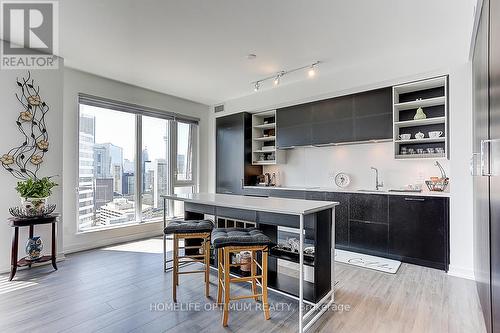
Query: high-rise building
[86, 213]
[128, 184]
[160, 181]
[103, 191]
[108, 163]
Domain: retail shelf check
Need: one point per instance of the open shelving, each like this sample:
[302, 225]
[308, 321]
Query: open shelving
[432, 96]
[264, 150]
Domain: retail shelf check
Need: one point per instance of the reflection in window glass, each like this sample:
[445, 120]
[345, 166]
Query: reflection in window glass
[184, 152]
[179, 205]
[155, 169]
[106, 167]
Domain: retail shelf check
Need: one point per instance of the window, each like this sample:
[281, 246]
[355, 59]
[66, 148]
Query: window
[128, 157]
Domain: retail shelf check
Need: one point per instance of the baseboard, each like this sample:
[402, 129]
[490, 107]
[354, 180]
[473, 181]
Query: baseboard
[461, 272]
[111, 241]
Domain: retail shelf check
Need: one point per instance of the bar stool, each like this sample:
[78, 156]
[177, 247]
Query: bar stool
[233, 240]
[190, 229]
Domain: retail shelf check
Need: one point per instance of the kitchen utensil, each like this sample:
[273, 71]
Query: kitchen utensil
[430, 150]
[435, 134]
[419, 135]
[403, 151]
[420, 151]
[440, 150]
[411, 151]
[405, 136]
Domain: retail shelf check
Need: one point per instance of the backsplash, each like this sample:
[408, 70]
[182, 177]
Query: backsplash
[316, 166]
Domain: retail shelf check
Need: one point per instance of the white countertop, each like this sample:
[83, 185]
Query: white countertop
[340, 190]
[273, 205]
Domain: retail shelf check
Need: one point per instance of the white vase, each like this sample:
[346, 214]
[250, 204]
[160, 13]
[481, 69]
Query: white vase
[34, 206]
[420, 114]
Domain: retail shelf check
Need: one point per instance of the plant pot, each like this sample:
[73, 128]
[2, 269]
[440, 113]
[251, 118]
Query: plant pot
[34, 206]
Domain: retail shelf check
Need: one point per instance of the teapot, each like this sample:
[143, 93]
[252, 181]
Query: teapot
[419, 135]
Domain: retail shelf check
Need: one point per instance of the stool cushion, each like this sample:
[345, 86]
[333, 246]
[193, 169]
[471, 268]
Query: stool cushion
[239, 237]
[189, 227]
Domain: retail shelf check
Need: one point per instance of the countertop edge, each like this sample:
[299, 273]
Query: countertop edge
[327, 205]
[334, 190]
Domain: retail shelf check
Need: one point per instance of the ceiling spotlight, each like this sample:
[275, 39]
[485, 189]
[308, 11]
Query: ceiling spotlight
[278, 78]
[312, 71]
[256, 86]
[251, 56]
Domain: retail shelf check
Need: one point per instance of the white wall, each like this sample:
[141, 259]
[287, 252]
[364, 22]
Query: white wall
[79, 82]
[312, 166]
[50, 82]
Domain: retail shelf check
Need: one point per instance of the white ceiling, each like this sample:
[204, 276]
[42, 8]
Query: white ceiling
[196, 49]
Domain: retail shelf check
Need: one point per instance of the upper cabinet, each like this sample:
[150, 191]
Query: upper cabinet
[373, 115]
[358, 117]
[421, 119]
[333, 120]
[293, 126]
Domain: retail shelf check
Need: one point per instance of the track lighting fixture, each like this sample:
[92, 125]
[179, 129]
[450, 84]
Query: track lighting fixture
[312, 71]
[277, 78]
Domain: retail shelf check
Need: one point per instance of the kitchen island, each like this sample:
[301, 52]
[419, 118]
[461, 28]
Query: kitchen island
[309, 217]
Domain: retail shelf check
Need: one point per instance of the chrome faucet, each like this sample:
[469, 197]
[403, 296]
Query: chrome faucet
[378, 184]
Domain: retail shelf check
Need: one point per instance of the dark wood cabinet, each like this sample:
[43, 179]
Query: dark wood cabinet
[369, 208]
[368, 237]
[418, 230]
[368, 223]
[333, 120]
[357, 117]
[373, 115]
[413, 229]
[341, 217]
[291, 194]
[233, 153]
[293, 126]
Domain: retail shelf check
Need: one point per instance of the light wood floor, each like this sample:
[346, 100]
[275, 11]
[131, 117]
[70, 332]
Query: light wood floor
[115, 289]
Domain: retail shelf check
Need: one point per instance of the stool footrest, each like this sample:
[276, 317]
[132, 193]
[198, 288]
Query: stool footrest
[245, 297]
[245, 278]
[190, 272]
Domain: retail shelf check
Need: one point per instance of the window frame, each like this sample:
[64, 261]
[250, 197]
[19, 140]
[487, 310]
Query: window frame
[139, 112]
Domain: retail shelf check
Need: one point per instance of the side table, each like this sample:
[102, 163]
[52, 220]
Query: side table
[17, 223]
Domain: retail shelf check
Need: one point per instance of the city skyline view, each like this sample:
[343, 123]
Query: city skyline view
[108, 170]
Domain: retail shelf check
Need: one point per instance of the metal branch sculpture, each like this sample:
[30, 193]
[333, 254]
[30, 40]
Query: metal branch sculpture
[23, 161]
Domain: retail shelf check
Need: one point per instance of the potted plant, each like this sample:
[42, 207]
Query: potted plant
[34, 193]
